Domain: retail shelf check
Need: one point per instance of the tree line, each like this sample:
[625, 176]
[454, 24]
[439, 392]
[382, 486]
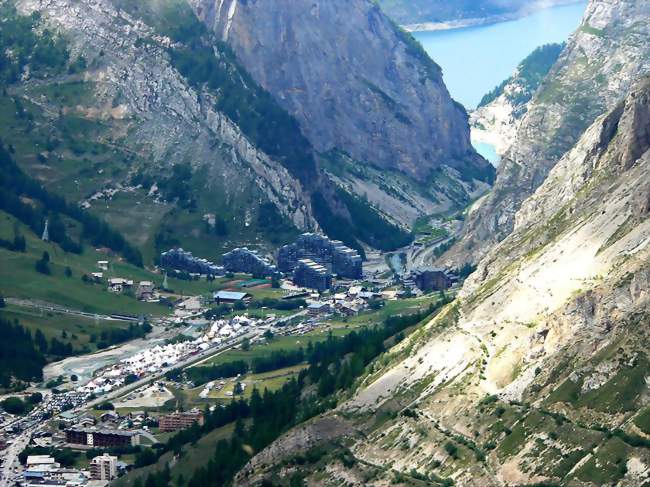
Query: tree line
[60, 349]
[279, 359]
[19, 358]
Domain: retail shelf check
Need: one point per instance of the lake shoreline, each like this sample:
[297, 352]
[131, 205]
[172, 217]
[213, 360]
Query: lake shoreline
[484, 21]
[488, 54]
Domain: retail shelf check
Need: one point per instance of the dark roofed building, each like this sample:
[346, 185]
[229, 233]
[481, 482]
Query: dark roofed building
[432, 279]
[248, 262]
[332, 254]
[230, 296]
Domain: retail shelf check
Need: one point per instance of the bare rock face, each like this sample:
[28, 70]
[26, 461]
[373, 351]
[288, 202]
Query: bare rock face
[352, 79]
[608, 53]
[498, 116]
[544, 353]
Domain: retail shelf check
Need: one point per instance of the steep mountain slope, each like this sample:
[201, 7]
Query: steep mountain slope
[499, 113]
[608, 52]
[354, 81]
[437, 14]
[154, 117]
[127, 101]
[538, 373]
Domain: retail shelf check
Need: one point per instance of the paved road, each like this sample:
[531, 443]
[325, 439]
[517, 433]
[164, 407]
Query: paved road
[30, 423]
[10, 457]
[194, 359]
[419, 257]
[185, 363]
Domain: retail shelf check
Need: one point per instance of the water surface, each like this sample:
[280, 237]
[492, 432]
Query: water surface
[488, 151]
[476, 59]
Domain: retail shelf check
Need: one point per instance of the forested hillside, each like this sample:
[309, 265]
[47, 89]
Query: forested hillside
[529, 75]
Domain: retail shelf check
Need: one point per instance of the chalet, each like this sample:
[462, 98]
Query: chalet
[109, 416]
[118, 284]
[350, 309]
[145, 290]
[315, 309]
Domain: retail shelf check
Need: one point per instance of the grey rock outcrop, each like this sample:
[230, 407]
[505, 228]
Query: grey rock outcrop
[150, 107]
[603, 59]
[352, 79]
[550, 329]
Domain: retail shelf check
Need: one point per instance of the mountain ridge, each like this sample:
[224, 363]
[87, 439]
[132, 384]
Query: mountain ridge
[535, 373]
[599, 64]
[142, 93]
[375, 112]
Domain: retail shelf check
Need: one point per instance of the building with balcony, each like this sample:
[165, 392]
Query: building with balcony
[247, 261]
[103, 467]
[182, 260]
[101, 438]
[332, 254]
[180, 420]
[312, 275]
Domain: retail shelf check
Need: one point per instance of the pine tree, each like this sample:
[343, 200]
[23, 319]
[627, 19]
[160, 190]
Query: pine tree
[41, 341]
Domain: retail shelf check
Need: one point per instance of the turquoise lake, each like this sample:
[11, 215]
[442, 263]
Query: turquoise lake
[476, 59]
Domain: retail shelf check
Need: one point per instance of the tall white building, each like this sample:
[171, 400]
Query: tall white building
[103, 467]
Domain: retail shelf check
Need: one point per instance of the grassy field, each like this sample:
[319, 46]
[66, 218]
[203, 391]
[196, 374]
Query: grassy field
[607, 466]
[391, 308]
[198, 454]
[19, 279]
[261, 350]
[78, 329]
[337, 327]
[268, 380]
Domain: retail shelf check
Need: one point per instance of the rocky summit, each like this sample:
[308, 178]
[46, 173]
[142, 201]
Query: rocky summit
[356, 83]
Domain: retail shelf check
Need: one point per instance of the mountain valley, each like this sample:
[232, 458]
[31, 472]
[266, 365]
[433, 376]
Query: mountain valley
[250, 243]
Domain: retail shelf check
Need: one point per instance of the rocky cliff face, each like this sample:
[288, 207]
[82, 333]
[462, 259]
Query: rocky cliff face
[605, 56]
[497, 118]
[145, 98]
[539, 371]
[355, 82]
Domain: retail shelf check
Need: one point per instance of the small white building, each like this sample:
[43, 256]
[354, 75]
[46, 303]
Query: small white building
[41, 462]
